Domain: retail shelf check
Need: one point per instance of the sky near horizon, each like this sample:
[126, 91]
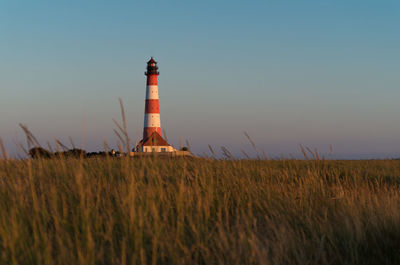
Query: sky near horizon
[316, 73]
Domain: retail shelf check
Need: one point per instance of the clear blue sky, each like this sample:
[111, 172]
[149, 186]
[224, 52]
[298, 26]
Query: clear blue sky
[316, 73]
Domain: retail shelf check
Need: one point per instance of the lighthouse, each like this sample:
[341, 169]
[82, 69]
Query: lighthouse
[152, 140]
[152, 121]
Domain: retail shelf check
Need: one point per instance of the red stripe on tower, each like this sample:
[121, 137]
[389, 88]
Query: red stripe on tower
[152, 109]
[152, 79]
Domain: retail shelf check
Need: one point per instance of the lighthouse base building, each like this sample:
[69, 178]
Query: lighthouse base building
[154, 143]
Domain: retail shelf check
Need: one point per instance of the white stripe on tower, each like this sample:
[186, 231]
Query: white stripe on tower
[151, 92]
[152, 119]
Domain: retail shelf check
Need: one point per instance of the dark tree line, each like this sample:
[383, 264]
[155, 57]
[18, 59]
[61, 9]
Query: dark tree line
[39, 152]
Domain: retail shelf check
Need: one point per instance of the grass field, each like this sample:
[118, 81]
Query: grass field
[199, 211]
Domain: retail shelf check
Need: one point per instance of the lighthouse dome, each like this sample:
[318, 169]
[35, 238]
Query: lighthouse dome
[152, 61]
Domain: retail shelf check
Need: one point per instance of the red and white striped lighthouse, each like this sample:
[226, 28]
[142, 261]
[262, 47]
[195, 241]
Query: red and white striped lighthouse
[152, 140]
[152, 109]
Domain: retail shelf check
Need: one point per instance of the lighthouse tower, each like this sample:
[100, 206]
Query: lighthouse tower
[152, 109]
[152, 140]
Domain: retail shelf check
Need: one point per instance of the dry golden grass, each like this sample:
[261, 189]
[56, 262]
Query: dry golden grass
[199, 211]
